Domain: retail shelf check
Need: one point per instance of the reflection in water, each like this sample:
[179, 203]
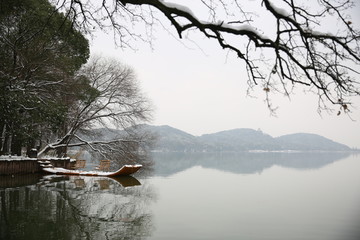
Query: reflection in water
[10, 181]
[244, 163]
[280, 203]
[73, 207]
[202, 196]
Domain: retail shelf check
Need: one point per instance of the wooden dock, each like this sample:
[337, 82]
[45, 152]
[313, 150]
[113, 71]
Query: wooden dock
[11, 165]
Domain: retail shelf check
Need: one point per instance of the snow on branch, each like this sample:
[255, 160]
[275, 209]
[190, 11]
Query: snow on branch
[296, 52]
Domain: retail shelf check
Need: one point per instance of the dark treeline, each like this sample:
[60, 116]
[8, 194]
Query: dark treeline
[51, 90]
[40, 52]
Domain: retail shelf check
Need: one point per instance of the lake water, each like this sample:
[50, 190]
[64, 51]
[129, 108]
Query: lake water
[193, 196]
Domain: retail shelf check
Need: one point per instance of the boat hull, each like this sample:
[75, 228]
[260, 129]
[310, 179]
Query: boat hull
[126, 170]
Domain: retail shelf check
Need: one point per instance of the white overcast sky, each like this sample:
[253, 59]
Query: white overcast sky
[204, 90]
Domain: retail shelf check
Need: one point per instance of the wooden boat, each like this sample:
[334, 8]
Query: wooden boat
[125, 170]
[124, 181]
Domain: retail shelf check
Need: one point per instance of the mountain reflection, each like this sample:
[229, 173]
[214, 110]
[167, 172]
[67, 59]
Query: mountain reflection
[73, 207]
[243, 163]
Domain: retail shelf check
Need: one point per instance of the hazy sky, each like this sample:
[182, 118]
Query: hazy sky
[199, 88]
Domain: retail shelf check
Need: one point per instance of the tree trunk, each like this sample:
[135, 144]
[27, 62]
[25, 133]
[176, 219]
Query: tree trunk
[8, 144]
[2, 140]
[61, 151]
[16, 146]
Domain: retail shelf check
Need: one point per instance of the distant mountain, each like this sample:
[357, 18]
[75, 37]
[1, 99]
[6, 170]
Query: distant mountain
[238, 140]
[174, 140]
[309, 142]
[170, 139]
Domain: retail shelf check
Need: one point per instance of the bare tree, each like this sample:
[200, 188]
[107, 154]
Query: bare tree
[296, 52]
[113, 99]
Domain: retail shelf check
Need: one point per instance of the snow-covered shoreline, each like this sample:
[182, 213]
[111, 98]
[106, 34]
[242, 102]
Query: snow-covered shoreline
[22, 158]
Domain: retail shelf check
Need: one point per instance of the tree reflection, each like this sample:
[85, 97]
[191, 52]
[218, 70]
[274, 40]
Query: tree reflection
[77, 208]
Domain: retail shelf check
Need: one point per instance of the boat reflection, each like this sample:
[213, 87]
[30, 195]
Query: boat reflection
[91, 183]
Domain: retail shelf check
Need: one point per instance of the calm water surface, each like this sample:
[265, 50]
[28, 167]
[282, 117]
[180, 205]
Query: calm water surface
[193, 196]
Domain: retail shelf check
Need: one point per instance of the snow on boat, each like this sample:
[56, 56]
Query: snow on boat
[125, 170]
